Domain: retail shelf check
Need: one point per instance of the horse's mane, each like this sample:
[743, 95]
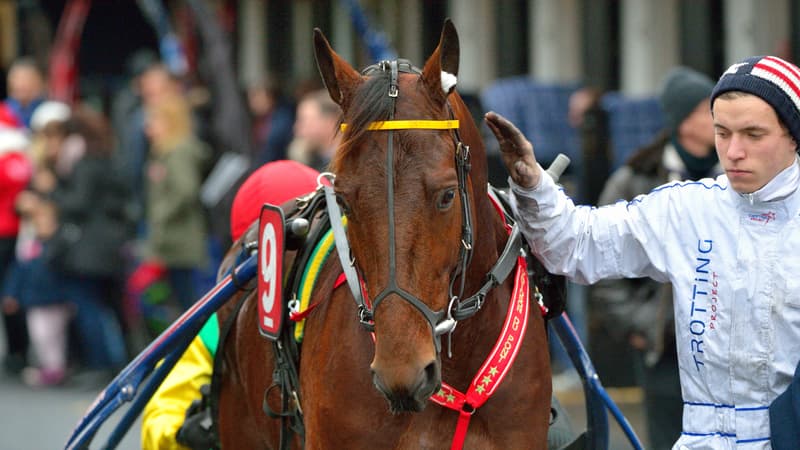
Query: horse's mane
[370, 103]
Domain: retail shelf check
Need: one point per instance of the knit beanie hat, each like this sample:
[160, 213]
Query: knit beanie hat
[682, 91]
[275, 182]
[770, 78]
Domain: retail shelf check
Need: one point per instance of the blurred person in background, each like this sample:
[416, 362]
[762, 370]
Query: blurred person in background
[33, 283]
[639, 310]
[176, 224]
[15, 172]
[127, 118]
[86, 248]
[157, 83]
[273, 118]
[316, 133]
[151, 81]
[26, 89]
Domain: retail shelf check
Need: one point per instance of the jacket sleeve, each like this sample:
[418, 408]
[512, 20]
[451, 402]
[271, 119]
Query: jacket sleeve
[624, 304]
[623, 240]
[165, 412]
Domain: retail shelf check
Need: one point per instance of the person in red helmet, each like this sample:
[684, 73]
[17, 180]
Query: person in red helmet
[165, 422]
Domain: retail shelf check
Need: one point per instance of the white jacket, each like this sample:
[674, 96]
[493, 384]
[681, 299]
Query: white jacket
[734, 262]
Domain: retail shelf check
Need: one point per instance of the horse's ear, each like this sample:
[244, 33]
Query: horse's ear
[441, 70]
[339, 77]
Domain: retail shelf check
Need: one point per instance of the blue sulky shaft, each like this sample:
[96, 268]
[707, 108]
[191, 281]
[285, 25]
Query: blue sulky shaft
[597, 398]
[169, 346]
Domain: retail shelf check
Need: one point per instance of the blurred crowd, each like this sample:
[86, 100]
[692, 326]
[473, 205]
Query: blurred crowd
[104, 238]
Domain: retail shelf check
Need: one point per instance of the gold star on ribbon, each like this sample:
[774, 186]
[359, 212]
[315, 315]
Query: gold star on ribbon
[480, 389]
[441, 393]
[493, 370]
[451, 398]
[486, 380]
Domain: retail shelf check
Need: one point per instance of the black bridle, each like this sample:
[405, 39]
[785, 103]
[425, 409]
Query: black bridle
[444, 320]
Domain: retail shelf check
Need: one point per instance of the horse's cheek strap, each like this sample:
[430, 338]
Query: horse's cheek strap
[342, 246]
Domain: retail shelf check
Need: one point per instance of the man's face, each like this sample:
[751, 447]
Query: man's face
[25, 84]
[752, 145]
[155, 84]
[313, 126]
[696, 132]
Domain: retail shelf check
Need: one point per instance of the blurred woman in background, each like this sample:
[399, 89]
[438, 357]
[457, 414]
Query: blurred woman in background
[176, 225]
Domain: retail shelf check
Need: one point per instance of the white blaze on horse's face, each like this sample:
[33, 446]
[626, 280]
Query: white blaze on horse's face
[449, 82]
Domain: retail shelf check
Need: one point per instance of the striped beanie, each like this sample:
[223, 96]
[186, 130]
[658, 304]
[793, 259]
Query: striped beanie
[770, 78]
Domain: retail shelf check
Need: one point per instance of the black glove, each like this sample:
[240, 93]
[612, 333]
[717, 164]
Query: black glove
[197, 431]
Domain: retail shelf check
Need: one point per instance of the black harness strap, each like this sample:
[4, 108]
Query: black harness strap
[286, 378]
[286, 374]
[433, 317]
[499, 272]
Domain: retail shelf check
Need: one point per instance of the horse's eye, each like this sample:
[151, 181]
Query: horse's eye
[446, 199]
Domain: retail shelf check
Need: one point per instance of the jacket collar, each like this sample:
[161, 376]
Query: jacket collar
[777, 201]
[779, 188]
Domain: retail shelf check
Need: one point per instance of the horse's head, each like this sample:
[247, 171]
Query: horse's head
[409, 216]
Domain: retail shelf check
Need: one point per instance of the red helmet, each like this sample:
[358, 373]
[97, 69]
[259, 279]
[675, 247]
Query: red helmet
[275, 182]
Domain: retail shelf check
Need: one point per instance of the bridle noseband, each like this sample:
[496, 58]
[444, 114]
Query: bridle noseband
[445, 320]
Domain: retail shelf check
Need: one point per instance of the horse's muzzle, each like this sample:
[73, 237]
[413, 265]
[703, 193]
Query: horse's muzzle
[414, 397]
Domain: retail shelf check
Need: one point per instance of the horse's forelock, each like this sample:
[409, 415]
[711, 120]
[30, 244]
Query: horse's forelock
[370, 103]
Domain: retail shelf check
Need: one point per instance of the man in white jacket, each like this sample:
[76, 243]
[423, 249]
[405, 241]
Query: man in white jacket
[728, 245]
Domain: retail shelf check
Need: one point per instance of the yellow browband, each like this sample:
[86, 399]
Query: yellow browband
[410, 125]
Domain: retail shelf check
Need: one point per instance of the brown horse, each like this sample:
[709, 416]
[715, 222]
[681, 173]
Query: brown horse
[411, 218]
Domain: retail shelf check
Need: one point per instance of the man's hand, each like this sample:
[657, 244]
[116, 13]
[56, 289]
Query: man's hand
[516, 151]
[197, 431]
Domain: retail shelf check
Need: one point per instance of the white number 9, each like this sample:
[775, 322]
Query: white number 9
[268, 256]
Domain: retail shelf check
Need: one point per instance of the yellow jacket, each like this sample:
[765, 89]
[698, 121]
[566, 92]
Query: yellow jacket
[165, 412]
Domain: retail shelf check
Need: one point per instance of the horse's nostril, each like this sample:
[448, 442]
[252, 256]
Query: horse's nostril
[432, 377]
[431, 371]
